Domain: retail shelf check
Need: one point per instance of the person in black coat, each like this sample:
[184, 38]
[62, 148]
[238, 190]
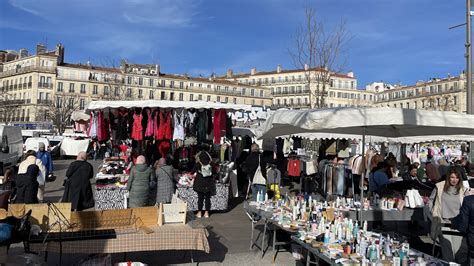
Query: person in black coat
[464, 222]
[27, 186]
[251, 164]
[204, 184]
[77, 186]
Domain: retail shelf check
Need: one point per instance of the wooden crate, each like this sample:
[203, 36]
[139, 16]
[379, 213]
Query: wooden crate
[44, 215]
[173, 213]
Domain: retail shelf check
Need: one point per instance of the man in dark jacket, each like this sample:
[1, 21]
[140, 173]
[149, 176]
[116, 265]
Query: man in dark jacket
[77, 186]
[27, 186]
[464, 222]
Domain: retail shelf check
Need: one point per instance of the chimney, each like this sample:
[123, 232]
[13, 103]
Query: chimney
[229, 73]
[279, 68]
[157, 69]
[253, 71]
[40, 48]
[3, 56]
[23, 53]
[60, 53]
[350, 74]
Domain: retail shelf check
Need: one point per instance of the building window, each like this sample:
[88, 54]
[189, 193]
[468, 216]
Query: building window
[171, 96]
[172, 84]
[60, 87]
[129, 80]
[163, 95]
[191, 84]
[243, 91]
[191, 97]
[252, 92]
[181, 96]
[82, 104]
[163, 83]
[455, 99]
[151, 95]
[106, 90]
[261, 93]
[117, 91]
[218, 99]
[71, 87]
[181, 85]
[83, 88]
[140, 81]
[95, 89]
[129, 92]
[208, 98]
[59, 102]
[150, 82]
[200, 97]
[234, 100]
[226, 99]
[140, 93]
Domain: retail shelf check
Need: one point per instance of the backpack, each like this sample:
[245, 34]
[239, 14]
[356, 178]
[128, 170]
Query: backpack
[206, 170]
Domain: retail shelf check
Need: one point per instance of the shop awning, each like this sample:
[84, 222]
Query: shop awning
[383, 122]
[99, 105]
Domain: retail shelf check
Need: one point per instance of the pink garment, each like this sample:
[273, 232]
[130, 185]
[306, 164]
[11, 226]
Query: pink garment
[150, 124]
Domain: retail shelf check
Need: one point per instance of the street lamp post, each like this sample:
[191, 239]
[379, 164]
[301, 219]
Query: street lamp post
[469, 96]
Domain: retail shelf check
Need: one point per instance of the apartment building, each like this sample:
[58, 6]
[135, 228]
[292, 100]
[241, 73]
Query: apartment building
[289, 88]
[31, 85]
[444, 94]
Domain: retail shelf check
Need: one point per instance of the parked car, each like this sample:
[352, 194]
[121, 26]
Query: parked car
[10, 146]
[33, 143]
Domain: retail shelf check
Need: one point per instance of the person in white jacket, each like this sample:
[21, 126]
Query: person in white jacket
[30, 158]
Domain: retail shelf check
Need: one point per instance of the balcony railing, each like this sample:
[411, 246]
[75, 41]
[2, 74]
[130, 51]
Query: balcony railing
[12, 102]
[28, 69]
[45, 85]
[44, 102]
[290, 92]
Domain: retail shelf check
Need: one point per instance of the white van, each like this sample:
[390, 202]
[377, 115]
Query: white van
[11, 146]
[33, 143]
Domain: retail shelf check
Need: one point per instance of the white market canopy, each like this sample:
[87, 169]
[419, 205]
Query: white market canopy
[382, 122]
[100, 105]
[80, 115]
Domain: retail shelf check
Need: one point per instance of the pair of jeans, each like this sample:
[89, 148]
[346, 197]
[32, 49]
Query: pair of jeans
[204, 197]
[256, 189]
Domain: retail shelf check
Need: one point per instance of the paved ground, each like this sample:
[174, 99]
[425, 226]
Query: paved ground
[229, 236]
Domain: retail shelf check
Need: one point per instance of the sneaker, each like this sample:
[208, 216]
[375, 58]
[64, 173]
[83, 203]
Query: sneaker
[206, 215]
[198, 215]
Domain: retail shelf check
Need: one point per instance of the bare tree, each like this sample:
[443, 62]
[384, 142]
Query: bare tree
[112, 74]
[61, 109]
[321, 53]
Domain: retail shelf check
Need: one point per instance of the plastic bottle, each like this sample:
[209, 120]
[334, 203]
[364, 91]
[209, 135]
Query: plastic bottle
[356, 230]
[364, 228]
[258, 196]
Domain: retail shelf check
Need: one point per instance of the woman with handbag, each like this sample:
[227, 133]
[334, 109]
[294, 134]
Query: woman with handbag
[255, 169]
[165, 174]
[445, 202]
[204, 184]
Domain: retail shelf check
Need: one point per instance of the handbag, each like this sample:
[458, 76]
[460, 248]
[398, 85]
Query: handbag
[258, 178]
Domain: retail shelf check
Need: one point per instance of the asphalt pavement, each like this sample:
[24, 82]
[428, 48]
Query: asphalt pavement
[229, 238]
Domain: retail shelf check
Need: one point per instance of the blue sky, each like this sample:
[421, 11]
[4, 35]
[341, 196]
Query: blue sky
[397, 41]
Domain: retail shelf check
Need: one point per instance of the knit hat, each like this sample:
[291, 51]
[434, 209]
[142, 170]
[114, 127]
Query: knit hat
[141, 160]
[41, 145]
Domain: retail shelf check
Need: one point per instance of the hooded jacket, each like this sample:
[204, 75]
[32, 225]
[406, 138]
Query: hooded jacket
[139, 185]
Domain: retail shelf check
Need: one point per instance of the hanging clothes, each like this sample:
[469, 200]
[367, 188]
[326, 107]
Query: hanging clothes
[178, 132]
[165, 132]
[92, 130]
[100, 126]
[122, 124]
[294, 167]
[150, 124]
[191, 117]
[228, 127]
[219, 125]
[202, 124]
[137, 133]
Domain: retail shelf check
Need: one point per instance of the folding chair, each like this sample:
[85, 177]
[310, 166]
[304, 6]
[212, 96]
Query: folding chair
[255, 219]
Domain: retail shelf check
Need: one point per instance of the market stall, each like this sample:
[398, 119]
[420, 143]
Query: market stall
[383, 122]
[157, 129]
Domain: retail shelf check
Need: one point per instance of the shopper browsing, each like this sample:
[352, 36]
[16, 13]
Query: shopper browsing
[204, 184]
[77, 186]
[138, 183]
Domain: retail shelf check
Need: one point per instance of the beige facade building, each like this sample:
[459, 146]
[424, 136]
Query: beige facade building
[290, 89]
[33, 85]
[446, 94]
